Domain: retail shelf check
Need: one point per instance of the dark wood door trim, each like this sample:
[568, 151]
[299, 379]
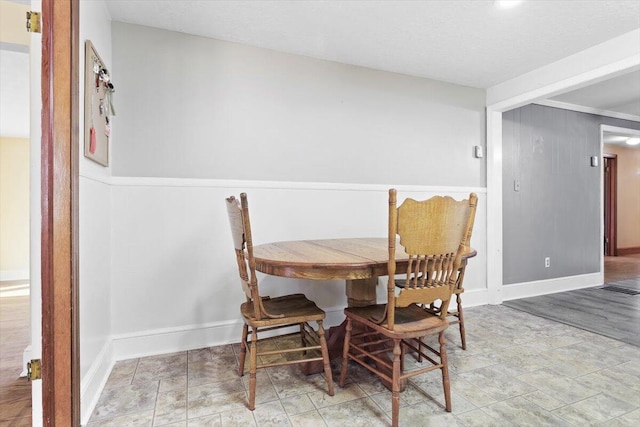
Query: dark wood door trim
[611, 202]
[60, 118]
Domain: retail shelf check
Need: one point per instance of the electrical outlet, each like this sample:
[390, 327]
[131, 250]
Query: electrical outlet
[516, 185]
[547, 262]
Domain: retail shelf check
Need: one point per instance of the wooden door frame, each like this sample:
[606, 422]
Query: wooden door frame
[611, 203]
[59, 168]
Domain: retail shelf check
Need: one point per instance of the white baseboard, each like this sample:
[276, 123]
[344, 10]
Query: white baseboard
[472, 298]
[171, 340]
[94, 381]
[551, 286]
[8, 275]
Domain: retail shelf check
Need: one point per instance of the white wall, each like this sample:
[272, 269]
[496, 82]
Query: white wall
[308, 140]
[95, 232]
[313, 137]
[174, 279]
[193, 107]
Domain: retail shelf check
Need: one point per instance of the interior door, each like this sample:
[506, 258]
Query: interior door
[610, 202]
[35, 107]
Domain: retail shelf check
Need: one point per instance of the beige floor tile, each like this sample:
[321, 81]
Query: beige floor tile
[215, 389]
[598, 408]
[171, 407]
[235, 418]
[174, 383]
[271, 414]
[478, 418]
[632, 419]
[134, 420]
[209, 371]
[206, 421]
[521, 412]
[349, 392]
[162, 366]
[216, 404]
[298, 405]
[565, 389]
[122, 373]
[355, 413]
[307, 419]
[419, 415]
[543, 400]
[518, 370]
[496, 383]
[124, 400]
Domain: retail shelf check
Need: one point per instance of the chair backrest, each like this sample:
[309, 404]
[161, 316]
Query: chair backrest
[238, 211]
[435, 233]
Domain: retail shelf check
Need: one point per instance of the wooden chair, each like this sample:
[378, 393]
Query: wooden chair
[262, 313]
[458, 290]
[433, 234]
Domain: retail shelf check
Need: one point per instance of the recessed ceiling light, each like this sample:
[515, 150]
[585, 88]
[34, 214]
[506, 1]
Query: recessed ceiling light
[507, 4]
[633, 141]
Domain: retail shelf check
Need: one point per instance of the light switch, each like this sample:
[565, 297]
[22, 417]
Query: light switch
[516, 185]
[594, 161]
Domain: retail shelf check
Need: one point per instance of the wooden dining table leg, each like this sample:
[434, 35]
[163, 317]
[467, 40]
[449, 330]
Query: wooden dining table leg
[360, 293]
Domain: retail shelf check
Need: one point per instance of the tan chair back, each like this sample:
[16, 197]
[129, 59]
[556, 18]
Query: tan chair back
[435, 233]
[238, 211]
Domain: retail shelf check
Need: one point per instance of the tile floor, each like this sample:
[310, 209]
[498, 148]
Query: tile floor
[519, 370]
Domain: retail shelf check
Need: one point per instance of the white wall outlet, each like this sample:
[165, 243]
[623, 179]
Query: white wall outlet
[547, 262]
[516, 185]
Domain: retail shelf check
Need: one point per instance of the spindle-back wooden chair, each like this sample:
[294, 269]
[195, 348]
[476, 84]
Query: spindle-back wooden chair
[262, 313]
[433, 233]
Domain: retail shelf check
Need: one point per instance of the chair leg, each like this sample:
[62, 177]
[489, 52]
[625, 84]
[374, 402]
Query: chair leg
[325, 358]
[243, 349]
[345, 353]
[445, 371]
[253, 367]
[463, 336]
[303, 341]
[395, 385]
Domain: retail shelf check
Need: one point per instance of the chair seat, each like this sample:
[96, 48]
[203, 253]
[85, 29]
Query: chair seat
[296, 309]
[407, 320]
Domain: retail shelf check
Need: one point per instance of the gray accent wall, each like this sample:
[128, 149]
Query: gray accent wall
[193, 107]
[556, 212]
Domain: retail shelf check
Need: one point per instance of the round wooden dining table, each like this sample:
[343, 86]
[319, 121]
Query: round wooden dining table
[359, 261]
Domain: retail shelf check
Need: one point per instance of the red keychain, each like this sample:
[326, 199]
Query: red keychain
[92, 140]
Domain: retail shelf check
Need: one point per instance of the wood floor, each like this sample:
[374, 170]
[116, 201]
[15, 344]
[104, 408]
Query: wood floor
[621, 267]
[15, 392]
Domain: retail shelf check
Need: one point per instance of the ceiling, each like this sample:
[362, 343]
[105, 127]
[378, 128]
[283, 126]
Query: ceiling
[467, 42]
[620, 94]
[620, 139]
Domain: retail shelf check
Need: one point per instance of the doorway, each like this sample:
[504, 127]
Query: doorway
[16, 155]
[621, 203]
[610, 164]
